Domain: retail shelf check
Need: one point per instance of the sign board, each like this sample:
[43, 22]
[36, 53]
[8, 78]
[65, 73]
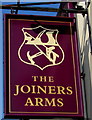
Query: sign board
[41, 65]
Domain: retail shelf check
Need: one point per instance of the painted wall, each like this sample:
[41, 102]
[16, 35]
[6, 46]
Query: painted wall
[86, 58]
[90, 58]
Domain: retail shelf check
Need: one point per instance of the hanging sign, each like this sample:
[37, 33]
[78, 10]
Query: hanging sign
[42, 76]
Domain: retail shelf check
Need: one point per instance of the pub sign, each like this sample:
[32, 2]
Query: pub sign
[41, 67]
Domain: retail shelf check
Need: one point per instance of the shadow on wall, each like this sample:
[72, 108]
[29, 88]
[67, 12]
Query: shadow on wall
[85, 66]
[87, 79]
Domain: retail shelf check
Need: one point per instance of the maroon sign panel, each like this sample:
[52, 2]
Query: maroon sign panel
[42, 76]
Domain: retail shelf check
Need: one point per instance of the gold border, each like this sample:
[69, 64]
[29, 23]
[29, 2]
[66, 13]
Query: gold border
[9, 67]
[73, 67]
[40, 20]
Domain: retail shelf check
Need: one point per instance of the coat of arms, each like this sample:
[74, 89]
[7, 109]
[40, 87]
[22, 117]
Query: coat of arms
[40, 47]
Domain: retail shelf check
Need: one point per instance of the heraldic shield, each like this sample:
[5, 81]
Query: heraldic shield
[40, 47]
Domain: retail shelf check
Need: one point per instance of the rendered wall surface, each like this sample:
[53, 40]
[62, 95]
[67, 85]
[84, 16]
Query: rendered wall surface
[86, 58]
[90, 58]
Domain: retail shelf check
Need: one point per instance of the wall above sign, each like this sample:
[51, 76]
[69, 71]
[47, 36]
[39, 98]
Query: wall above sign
[41, 67]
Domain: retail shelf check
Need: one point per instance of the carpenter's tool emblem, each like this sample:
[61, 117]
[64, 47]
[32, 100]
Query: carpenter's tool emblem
[40, 47]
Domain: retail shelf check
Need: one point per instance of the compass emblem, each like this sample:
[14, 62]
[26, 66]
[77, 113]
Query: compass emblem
[40, 47]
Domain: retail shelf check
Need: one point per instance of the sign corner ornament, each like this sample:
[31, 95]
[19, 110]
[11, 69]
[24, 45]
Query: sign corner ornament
[41, 67]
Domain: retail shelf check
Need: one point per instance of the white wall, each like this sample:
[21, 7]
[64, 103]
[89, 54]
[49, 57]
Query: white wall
[90, 58]
[86, 58]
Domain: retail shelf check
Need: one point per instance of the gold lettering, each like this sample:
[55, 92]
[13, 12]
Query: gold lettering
[39, 102]
[45, 102]
[29, 102]
[69, 89]
[42, 78]
[59, 100]
[42, 89]
[26, 87]
[51, 90]
[51, 79]
[16, 90]
[61, 90]
[33, 89]
[35, 78]
[50, 103]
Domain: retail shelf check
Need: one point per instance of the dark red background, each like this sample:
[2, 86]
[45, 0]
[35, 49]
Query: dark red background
[21, 74]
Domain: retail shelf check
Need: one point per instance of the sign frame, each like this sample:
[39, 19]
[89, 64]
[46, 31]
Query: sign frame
[7, 82]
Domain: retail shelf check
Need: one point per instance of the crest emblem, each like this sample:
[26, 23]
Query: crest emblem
[40, 47]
